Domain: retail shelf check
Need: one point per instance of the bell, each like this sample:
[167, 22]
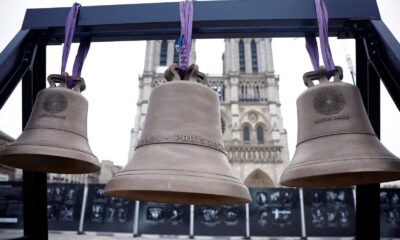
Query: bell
[180, 156]
[55, 137]
[336, 144]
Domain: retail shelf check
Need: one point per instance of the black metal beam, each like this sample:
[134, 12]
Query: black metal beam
[14, 62]
[212, 19]
[34, 183]
[384, 52]
[367, 196]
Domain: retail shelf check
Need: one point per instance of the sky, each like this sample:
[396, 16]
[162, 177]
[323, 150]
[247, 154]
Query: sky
[111, 73]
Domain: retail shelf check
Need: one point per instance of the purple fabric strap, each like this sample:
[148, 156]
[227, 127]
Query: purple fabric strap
[186, 13]
[83, 50]
[69, 33]
[311, 42]
[83, 46]
[312, 49]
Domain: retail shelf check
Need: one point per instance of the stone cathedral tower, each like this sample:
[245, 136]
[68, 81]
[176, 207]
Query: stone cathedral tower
[251, 120]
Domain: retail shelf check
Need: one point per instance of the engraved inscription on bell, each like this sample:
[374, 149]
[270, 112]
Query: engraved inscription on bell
[329, 102]
[181, 138]
[55, 103]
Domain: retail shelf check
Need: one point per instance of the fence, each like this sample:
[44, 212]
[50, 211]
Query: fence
[285, 212]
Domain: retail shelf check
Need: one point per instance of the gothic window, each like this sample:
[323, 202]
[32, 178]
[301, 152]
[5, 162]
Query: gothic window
[241, 56]
[176, 54]
[254, 62]
[246, 135]
[222, 126]
[260, 135]
[163, 53]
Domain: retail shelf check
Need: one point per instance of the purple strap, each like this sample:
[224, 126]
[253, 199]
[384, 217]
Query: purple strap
[83, 46]
[186, 13]
[83, 50]
[311, 43]
[69, 33]
[312, 49]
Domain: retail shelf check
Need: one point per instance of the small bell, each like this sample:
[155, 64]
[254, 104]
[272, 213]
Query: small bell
[180, 157]
[55, 137]
[336, 144]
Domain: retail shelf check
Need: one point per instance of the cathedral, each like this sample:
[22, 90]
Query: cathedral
[251, 121]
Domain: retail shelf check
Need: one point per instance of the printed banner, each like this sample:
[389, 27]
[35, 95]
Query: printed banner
[390, 213]
[275, 212]
[221, 220]
[11, 205]
[329, 212]
[163, 218]
[107, 214]
[64, 206]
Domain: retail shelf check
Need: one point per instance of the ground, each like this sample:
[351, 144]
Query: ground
[12, 234]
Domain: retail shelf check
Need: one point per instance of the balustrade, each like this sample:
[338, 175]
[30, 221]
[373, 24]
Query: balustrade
[254, 153]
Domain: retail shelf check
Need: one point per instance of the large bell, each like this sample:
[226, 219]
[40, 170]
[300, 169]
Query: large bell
[180, 157]
[336, 145]
[55, 137]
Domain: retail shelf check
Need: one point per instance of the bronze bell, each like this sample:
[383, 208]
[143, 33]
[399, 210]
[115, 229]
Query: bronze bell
[55, 137]
[336, 145]
[180, 157]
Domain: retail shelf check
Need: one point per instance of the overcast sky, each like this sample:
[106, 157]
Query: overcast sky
[111, 73]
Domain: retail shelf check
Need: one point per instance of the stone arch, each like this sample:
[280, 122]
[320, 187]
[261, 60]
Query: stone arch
[246, 124]
[260, 119]
[262, 124]
[258, 178]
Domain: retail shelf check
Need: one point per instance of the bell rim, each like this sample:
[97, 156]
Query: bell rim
[324, 161]
[16, 155]
[199, 174]
[154, 187]
[136, 195]
[338, 177]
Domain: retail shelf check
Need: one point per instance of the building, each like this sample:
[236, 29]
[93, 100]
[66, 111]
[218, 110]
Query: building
[254, 136]
[8, 173]
[108, 170]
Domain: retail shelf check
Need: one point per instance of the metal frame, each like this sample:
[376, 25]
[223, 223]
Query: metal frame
[377, 52]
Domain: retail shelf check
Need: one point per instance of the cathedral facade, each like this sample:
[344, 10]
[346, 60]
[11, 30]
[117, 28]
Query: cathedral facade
[251, 121]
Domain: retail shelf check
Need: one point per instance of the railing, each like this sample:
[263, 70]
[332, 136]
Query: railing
[253, 90]
[254, 153]
[216, 84]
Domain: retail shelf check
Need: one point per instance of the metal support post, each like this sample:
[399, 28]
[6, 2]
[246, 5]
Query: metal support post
[303, 217]
[136, 220]
[367, 199]
[83, 210]
[191, 230]
[247, 221]
[34, 183]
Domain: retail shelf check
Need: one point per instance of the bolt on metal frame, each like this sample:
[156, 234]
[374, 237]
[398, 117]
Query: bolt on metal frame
[377, 57]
